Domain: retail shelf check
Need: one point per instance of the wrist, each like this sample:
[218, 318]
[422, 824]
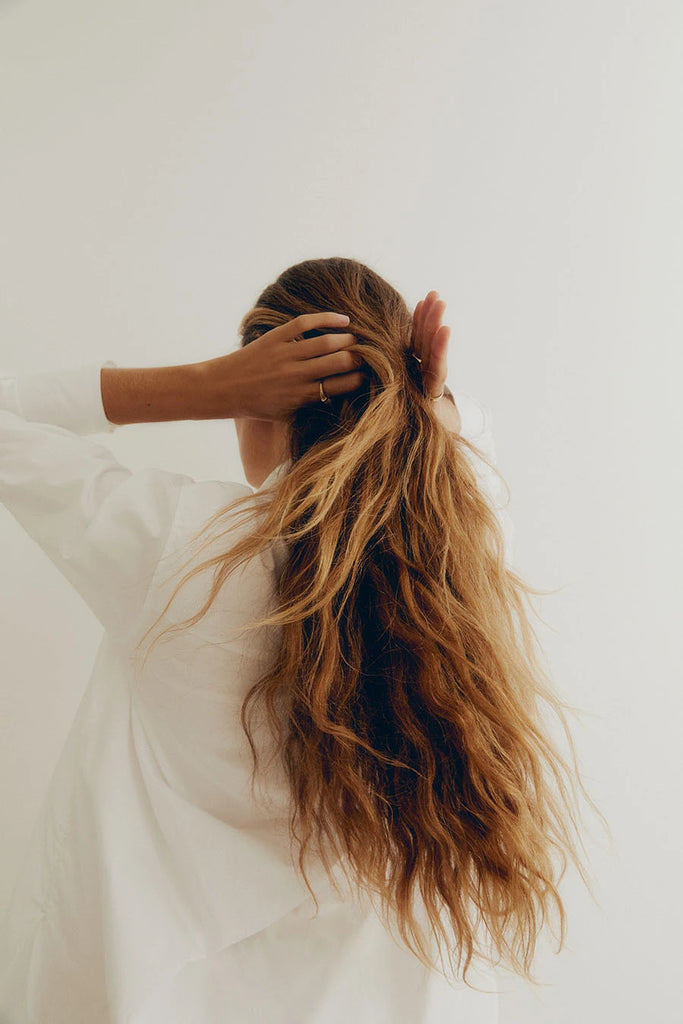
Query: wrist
[217, 387]
[448, 413]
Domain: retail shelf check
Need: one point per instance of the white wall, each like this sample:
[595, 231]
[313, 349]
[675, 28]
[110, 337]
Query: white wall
[163, 161]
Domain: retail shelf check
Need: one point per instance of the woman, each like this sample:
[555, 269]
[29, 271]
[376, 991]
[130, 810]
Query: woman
[309, 771]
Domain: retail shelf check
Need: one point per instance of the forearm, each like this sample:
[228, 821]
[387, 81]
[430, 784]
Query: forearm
[158, 394]
[193, 391]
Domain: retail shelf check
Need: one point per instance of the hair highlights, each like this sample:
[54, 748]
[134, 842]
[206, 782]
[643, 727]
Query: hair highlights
[406, 699]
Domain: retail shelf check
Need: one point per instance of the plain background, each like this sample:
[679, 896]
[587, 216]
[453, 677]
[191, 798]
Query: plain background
[163, 161]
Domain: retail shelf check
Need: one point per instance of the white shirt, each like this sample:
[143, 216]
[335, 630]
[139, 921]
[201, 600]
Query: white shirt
[155, 889]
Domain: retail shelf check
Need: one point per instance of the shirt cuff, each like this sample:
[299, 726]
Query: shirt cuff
[71, 398]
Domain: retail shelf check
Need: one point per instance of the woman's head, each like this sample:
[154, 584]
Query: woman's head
[406, 696]
[382, 323]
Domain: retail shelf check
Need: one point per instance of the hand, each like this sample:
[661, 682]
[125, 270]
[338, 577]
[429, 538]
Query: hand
[273, 376]
[429, 342]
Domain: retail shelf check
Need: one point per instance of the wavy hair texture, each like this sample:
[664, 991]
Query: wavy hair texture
[406, 700]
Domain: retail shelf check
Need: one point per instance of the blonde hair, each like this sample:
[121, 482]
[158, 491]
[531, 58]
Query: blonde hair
[405, 702]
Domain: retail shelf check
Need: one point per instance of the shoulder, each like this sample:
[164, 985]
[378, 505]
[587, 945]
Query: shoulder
[199, 501]
[203, 498]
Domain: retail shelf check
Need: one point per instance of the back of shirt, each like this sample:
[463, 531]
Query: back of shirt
[192, 896]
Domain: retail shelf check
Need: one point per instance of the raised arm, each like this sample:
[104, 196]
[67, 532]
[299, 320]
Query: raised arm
[265, 380]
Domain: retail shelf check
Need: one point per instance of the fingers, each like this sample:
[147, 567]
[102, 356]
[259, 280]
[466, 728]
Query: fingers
[322, 345]
[416, 333]
[307, 322]
[426, 320]
[340, 362]
[338, 385]
[432, 318]
[312, 350]
[436, 373]
[326, 357]
[432, 324]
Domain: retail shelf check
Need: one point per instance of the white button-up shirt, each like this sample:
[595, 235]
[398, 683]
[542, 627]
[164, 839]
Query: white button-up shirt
[156, 889]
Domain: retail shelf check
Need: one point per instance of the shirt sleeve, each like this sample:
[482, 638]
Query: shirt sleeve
[477, 428]
[102, 525]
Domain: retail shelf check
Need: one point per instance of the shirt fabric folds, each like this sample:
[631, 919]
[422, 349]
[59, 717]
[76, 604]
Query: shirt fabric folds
[155, 889]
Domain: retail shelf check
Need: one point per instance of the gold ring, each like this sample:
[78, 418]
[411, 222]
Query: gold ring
[323, 396]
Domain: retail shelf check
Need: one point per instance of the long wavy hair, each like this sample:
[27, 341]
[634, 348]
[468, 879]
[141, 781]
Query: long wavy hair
[406, 701]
